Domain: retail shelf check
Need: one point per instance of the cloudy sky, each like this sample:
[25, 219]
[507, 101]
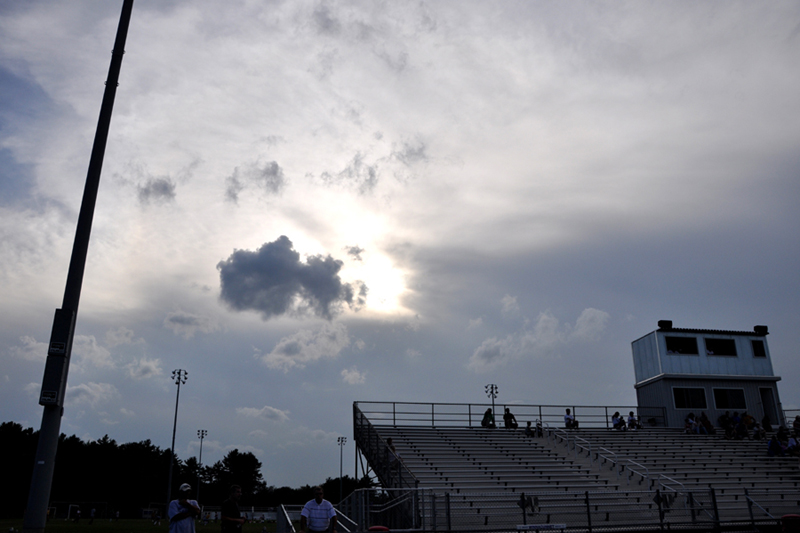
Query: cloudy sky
[306, 204]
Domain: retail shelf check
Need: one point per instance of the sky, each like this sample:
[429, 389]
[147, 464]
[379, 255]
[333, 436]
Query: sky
[305, 204]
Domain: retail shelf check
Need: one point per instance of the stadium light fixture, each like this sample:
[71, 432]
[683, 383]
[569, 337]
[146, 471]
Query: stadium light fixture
[179, 377]
[201, 434]
[491, 392]
[341, 441]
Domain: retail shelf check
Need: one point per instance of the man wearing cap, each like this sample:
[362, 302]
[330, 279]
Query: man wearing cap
[182, 511]
[318, 515]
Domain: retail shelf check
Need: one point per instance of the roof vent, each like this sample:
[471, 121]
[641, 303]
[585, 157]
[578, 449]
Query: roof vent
[665, 324]
[761, 330]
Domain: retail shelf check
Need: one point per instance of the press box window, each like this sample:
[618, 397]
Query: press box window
[730, 399]
[721, 347]
[758, 349]
[681, 345]
[689, 398]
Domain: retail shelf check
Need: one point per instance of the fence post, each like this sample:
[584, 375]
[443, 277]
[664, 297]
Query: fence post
[716, 508]
[433, 510]
[394, 414]
[660, 509]
[588, 512]
[690, 497]
[447, 510]
[522, 504]
[433, 418]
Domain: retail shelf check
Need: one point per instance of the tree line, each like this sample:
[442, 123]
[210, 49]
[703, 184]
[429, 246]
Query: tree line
[129, 477]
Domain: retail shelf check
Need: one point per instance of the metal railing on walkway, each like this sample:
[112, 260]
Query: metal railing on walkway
[470, 414]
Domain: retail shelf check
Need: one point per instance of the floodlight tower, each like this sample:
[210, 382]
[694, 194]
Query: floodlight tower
[179, 376]
[341, 441]
[491, 392]
[201, 434]
[59, 351]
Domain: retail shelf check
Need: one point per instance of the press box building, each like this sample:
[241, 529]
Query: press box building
[704, 370]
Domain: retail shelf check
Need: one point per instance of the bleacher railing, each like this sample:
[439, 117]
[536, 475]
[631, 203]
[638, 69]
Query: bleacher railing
[376, 451]
[470, 414]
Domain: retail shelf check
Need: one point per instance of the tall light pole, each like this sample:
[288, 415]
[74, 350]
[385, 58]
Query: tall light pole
[491, 392]
[59, 351]
[179, 376]
[341, 441]
[201, 434]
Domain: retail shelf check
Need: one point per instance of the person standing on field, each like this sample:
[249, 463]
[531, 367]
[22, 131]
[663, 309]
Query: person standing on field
[182, 511]
[232, 520]
[318, 515]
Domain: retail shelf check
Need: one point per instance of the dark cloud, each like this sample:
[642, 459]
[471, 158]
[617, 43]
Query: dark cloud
[325, 21]
[157, 190]
[268, 177]
[364, 176]
[233, 188]
[411, 153]
[355, 251]
[274, 281]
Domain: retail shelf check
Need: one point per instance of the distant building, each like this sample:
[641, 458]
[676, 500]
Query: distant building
[705, 370]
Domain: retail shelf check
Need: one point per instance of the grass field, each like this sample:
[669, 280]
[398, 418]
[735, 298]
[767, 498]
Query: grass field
[126, 526]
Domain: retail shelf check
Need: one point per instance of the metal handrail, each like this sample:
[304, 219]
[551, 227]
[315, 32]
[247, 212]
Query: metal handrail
[469, 414]
[587, 448]
[660, 476]
[646, 474]
[613, 461]
[751, 501]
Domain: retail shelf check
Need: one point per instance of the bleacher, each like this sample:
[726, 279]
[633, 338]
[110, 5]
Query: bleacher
[488, 460]
[465, 477]
[669, 459]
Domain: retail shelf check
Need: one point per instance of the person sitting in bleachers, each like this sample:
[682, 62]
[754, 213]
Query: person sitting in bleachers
[740, 432]
[488, 419]
[774, 447]
[706, 423]
[758, 432]
[618, 422]
[509, 420]
[633, 421]
[570, 422]
[796, 423]
[782, 434]
[726, 424]
[748, 420]
[792, 447]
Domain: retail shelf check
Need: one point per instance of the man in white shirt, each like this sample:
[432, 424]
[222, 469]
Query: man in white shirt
[183, 511]
[318, 515]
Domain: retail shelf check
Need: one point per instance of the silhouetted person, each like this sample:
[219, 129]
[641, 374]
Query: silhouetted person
[509, 420]
[488, 419]
[231, 519]
[182, 511]
[570, 422]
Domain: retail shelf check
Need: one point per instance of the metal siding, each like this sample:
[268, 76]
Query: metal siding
[645, 357]
[660, 393]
